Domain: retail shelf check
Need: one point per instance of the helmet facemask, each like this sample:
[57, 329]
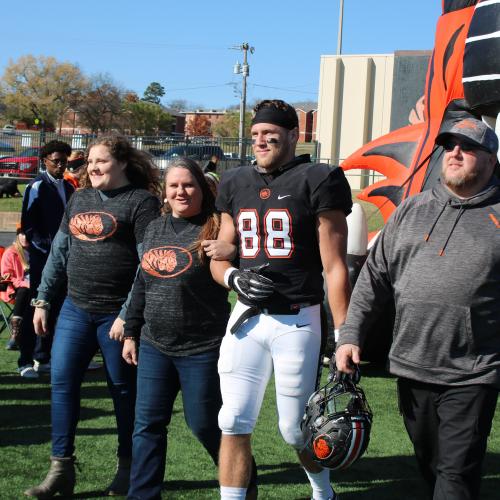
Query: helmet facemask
[337, 423]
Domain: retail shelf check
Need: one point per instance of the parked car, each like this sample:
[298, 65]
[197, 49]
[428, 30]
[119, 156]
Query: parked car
[23, 165]
[6, 149]
[9, 129]
[199, 153]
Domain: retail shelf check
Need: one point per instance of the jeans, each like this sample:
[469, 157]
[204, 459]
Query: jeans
[78, 336]
[159, 379]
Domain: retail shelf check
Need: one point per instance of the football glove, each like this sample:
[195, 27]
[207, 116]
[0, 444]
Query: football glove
[251, 285]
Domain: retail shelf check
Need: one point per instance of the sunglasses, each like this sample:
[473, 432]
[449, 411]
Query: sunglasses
[57, 161]
[449, 145]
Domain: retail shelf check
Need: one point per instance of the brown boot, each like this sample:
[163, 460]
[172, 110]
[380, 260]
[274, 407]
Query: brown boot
[121, 482]
[60, 479]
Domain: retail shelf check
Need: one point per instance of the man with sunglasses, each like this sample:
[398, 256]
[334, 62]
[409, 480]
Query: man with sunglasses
[44, 202]
[288, 216]
[438, 260]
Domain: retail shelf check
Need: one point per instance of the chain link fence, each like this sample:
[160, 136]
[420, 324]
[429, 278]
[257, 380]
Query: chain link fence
[19, 151]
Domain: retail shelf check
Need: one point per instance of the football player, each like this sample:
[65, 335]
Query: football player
[288, 217]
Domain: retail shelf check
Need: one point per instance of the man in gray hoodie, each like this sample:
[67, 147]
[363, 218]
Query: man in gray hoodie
[438, 260]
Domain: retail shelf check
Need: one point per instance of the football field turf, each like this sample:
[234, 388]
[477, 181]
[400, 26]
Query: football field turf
[387, 471]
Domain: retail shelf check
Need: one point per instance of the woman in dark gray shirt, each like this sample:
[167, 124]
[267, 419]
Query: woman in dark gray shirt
[179, 314]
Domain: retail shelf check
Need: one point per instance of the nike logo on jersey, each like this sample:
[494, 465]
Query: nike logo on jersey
[280, 197]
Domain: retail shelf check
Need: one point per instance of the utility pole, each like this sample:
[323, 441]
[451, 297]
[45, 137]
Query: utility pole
[244, 71]
[341, 21]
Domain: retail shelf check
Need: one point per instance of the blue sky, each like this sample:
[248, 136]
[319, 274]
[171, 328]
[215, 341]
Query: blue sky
[185, 45]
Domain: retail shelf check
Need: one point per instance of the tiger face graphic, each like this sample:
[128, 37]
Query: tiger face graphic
[92, 226]
[166, 262]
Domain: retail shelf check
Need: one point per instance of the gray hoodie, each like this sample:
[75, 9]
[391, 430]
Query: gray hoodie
[438, 258]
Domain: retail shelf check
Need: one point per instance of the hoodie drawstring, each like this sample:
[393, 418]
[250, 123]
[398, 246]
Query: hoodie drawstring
[460, 213]
[428, 235]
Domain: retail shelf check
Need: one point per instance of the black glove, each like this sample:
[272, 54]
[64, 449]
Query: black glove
[251, 285]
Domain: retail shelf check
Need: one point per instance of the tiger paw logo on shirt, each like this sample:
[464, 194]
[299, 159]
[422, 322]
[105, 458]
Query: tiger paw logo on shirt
[92, 226]
[166, 262]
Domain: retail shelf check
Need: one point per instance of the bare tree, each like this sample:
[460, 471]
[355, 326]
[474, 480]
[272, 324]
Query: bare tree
[101, 108]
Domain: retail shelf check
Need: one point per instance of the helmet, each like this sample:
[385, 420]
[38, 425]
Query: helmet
[337, 422]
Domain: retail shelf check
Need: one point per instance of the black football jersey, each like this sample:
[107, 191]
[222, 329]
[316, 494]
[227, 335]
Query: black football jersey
[275, 217]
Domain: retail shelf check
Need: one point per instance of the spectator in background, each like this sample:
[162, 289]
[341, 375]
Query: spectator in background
[44, 202]
[14, 268]
[97, 249]
[75, 167]
[210, 169]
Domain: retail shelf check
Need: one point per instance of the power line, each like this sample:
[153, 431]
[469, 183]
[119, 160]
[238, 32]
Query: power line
[199, 88]
[282, 88]
[145, 44]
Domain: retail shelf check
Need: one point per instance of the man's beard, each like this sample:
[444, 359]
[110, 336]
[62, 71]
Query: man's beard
[459, 181]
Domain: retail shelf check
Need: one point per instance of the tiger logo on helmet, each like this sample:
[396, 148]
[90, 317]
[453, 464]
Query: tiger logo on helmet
[337, 422]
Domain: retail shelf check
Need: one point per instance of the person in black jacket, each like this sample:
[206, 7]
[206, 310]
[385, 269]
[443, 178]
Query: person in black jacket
[44, 202]
[97, 249]
[179, 314]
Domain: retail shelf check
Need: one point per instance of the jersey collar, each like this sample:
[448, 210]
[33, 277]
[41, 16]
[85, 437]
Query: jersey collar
[306, 158]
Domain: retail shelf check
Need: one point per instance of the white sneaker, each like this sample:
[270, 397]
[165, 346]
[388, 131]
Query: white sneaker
[27, 371]
[41, 367]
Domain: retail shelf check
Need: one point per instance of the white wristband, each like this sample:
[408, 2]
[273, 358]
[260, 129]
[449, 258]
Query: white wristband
[336, 332]
[227, 274]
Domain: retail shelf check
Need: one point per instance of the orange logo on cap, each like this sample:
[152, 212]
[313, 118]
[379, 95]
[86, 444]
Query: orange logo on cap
[467, 123]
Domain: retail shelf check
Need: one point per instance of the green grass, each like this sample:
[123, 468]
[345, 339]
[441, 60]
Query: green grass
[13, 204]
[373, 215]
[387, 471]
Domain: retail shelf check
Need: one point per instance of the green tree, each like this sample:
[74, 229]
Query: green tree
[153, 93]
[144, 117]
[229, 125]
[40, 87]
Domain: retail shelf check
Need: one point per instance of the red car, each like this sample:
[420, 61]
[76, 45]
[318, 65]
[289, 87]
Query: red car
[24, 165]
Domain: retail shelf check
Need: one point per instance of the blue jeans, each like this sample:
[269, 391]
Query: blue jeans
[159, 379]
[78, 336]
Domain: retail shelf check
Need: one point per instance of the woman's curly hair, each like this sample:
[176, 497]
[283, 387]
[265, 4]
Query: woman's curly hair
[140, 170]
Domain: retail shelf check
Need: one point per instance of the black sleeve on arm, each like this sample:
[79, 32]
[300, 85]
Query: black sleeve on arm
[29, 212]
[54, 273]
[123, 311]
[135, 311]
[371, 293]
[148, 210]
[332, 193]
[223, 201]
